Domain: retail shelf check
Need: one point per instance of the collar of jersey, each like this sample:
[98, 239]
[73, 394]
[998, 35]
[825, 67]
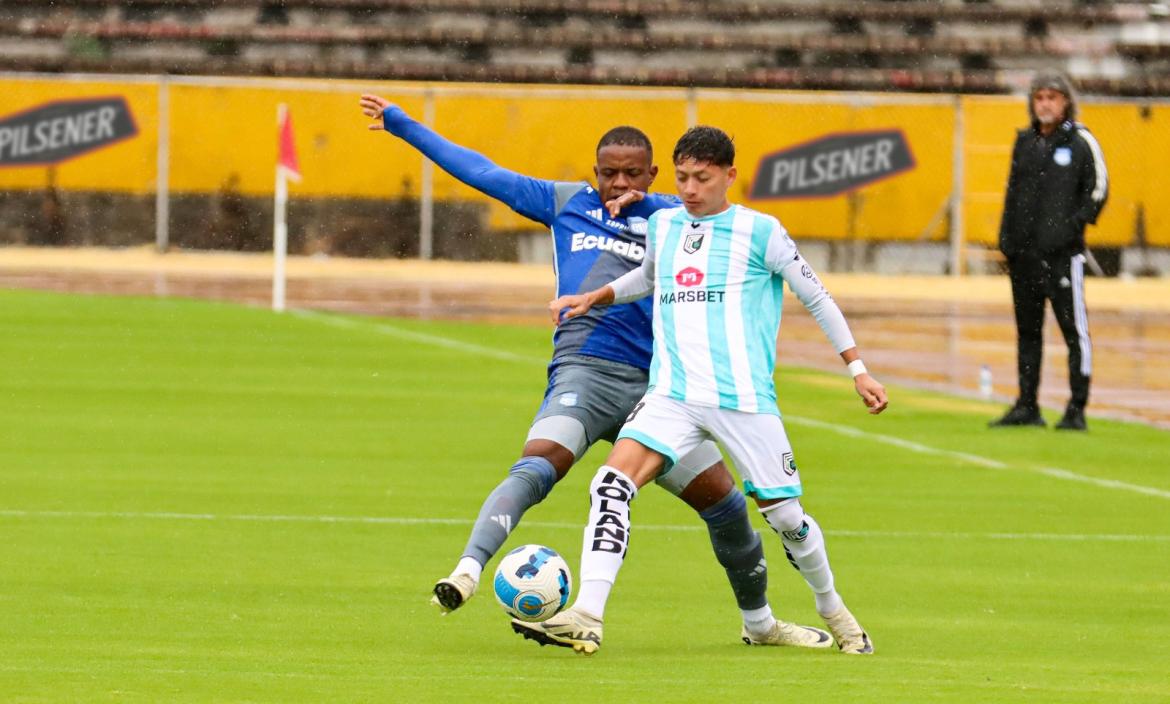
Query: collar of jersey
[692, 218]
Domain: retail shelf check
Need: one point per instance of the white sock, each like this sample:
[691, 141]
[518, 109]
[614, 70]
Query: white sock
[469, 566]
[828, 603]
[812, 559]
[758, 621]
[592, 597]
[606, 537]
[805, 546]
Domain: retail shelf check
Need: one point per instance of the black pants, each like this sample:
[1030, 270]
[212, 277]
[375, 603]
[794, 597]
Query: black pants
[1059, 278]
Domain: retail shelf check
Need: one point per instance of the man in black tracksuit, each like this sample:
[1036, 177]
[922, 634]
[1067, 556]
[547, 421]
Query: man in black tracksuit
[1058, 184]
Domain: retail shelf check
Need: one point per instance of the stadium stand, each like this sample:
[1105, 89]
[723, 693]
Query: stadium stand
[1111, 48]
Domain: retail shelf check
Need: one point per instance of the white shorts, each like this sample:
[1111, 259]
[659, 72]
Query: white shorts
[569, 432]
[756, 442]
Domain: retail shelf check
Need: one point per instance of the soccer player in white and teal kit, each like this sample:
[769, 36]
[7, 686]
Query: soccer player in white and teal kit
[717, 272]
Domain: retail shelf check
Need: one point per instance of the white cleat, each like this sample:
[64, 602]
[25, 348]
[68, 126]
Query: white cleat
[453, 592]
[568, 629]
[848, 633]
[783, 633]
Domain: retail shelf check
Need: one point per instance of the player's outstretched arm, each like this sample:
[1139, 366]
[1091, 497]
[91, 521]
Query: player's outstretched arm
[803, 281]
[531, 197]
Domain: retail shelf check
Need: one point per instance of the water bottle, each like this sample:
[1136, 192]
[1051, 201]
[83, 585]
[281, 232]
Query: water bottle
[985, 381]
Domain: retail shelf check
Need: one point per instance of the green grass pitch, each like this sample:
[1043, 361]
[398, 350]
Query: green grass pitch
[210, 503]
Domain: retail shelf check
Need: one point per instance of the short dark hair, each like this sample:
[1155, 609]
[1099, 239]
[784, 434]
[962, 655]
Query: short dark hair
[626, 136]
[703, 143]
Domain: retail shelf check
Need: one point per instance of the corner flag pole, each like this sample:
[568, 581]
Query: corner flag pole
[286, 168]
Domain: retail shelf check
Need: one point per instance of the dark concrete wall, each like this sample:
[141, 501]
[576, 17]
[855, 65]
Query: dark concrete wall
[234, 222]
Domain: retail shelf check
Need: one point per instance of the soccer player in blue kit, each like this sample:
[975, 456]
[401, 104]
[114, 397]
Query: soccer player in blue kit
[600, 362]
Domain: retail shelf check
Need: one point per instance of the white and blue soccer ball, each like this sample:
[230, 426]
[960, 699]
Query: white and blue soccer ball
[533, 583]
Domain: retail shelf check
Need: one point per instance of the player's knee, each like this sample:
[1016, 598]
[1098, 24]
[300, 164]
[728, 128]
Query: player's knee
[732, 507]
[537, 473]
[786, 517]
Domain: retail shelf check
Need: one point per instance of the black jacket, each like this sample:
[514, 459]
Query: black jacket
[1057, 185]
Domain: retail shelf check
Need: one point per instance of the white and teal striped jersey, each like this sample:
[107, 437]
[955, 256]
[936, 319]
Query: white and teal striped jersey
[718, 285]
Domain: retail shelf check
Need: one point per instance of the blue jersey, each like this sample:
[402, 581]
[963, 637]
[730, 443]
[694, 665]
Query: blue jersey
[591, 248]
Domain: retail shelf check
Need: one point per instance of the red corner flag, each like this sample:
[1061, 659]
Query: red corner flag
[287, 154]
[286, 168]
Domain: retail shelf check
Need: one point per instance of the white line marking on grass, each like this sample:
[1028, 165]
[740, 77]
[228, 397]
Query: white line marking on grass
[1054, 472]
[423, 521]
[1108, 483]
[424, 338]
[849, 431]
[897, 442]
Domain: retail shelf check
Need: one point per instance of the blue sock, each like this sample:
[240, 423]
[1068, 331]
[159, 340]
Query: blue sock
[739, 550]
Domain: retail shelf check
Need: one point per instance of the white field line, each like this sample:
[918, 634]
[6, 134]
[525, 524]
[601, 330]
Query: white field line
[1054, 472]
[421, 337]
[465, 522]
[908, 444]
[978, 460]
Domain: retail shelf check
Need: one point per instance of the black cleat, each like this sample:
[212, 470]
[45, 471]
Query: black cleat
[1019, 416]
[1074, 419]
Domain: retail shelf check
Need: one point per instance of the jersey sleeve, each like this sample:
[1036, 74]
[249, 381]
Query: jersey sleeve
[531, 197]
[781, 249]
[638, 283]
[563, 192]
[783, 258]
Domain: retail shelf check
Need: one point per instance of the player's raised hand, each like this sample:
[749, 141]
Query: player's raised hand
[615, 205]
[372, 107]
[871, 392]
[567, 307]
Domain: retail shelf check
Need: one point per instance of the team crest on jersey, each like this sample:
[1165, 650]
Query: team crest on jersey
[1062, 156]
[692, 242]
[638, 226]
[789, 463]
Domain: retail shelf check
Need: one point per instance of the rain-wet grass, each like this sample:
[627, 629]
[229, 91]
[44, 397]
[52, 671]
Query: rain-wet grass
[207, 502]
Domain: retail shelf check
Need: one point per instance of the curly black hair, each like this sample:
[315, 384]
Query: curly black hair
[703, 143]
[626, 136]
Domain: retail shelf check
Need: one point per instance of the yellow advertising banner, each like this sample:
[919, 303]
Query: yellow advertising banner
[829, 166]
[835, 183]
[78, 135]
[552, 133]
[222, 135]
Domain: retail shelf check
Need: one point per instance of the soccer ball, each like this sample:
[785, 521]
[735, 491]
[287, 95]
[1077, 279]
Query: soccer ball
[533, 583]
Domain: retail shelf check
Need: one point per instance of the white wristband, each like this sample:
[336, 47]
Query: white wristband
[856, 368]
